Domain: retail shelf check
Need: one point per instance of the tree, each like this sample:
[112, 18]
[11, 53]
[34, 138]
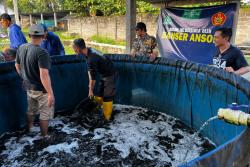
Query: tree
[107, 7]
[37, 6]
[81, 7]
[93, 7]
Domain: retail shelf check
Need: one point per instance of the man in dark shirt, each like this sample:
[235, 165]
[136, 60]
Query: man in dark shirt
[228, 57]
[52, 43]
[33, 64]
[99, 64]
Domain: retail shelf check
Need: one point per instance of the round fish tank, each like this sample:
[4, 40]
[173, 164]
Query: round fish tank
[189, 92]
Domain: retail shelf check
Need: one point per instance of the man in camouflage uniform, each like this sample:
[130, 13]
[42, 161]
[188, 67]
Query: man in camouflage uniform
[144, 45]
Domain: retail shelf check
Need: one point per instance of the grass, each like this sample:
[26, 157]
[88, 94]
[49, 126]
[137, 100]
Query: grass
[68, 50]
[248, 59]
[106, 40]
[64, 36]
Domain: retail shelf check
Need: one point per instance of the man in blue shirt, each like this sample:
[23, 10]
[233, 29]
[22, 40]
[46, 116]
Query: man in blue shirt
[16, 36]
[52, 43]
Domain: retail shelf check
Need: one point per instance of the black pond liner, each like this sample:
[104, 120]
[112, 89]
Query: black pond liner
[134, 137]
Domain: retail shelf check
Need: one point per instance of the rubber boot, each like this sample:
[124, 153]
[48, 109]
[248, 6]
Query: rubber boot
[107, 110]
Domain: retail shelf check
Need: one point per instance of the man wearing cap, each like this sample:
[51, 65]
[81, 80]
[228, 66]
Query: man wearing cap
[99, 64]
[16, 36]
[144, 45]
[33, 64]
[52, 43]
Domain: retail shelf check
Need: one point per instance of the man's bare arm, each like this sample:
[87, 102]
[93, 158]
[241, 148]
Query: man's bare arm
[132, 53]
[45, 79]
[18, 68]
[91, 85]
[242, 71]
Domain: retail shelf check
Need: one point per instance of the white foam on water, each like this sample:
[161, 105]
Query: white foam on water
[99, 133]
[35, 129]
[69, 130]
[15, 146]
[42, 164]
[29, 139]
[129, 131]
[65, 147]
[55, 122]
[141, 137]
[84, 132]
[185, 145]
[14, 149]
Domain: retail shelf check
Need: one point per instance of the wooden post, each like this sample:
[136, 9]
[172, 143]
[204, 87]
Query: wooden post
[116, 28]
[81, 26]
[42, 20]
[55, 19]
[236, 17]
[130, 23]
[16, 12]
[97, 26]
[21, 17]
[68, 22]
[31, 20]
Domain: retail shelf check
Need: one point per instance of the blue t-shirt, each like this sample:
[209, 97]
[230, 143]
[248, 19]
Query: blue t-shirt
[53, 45]
[16, 36]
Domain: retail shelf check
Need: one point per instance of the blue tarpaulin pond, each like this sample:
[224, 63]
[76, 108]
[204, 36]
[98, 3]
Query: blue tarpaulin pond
[190, 92]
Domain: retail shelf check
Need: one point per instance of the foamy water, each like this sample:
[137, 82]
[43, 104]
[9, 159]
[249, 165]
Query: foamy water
[151, 138]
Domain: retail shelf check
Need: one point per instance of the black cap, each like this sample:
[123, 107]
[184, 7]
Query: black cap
[141, 26]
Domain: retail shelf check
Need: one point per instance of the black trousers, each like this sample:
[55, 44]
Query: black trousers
[106, 88]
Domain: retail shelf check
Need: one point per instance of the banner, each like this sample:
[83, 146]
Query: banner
[187, 33]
